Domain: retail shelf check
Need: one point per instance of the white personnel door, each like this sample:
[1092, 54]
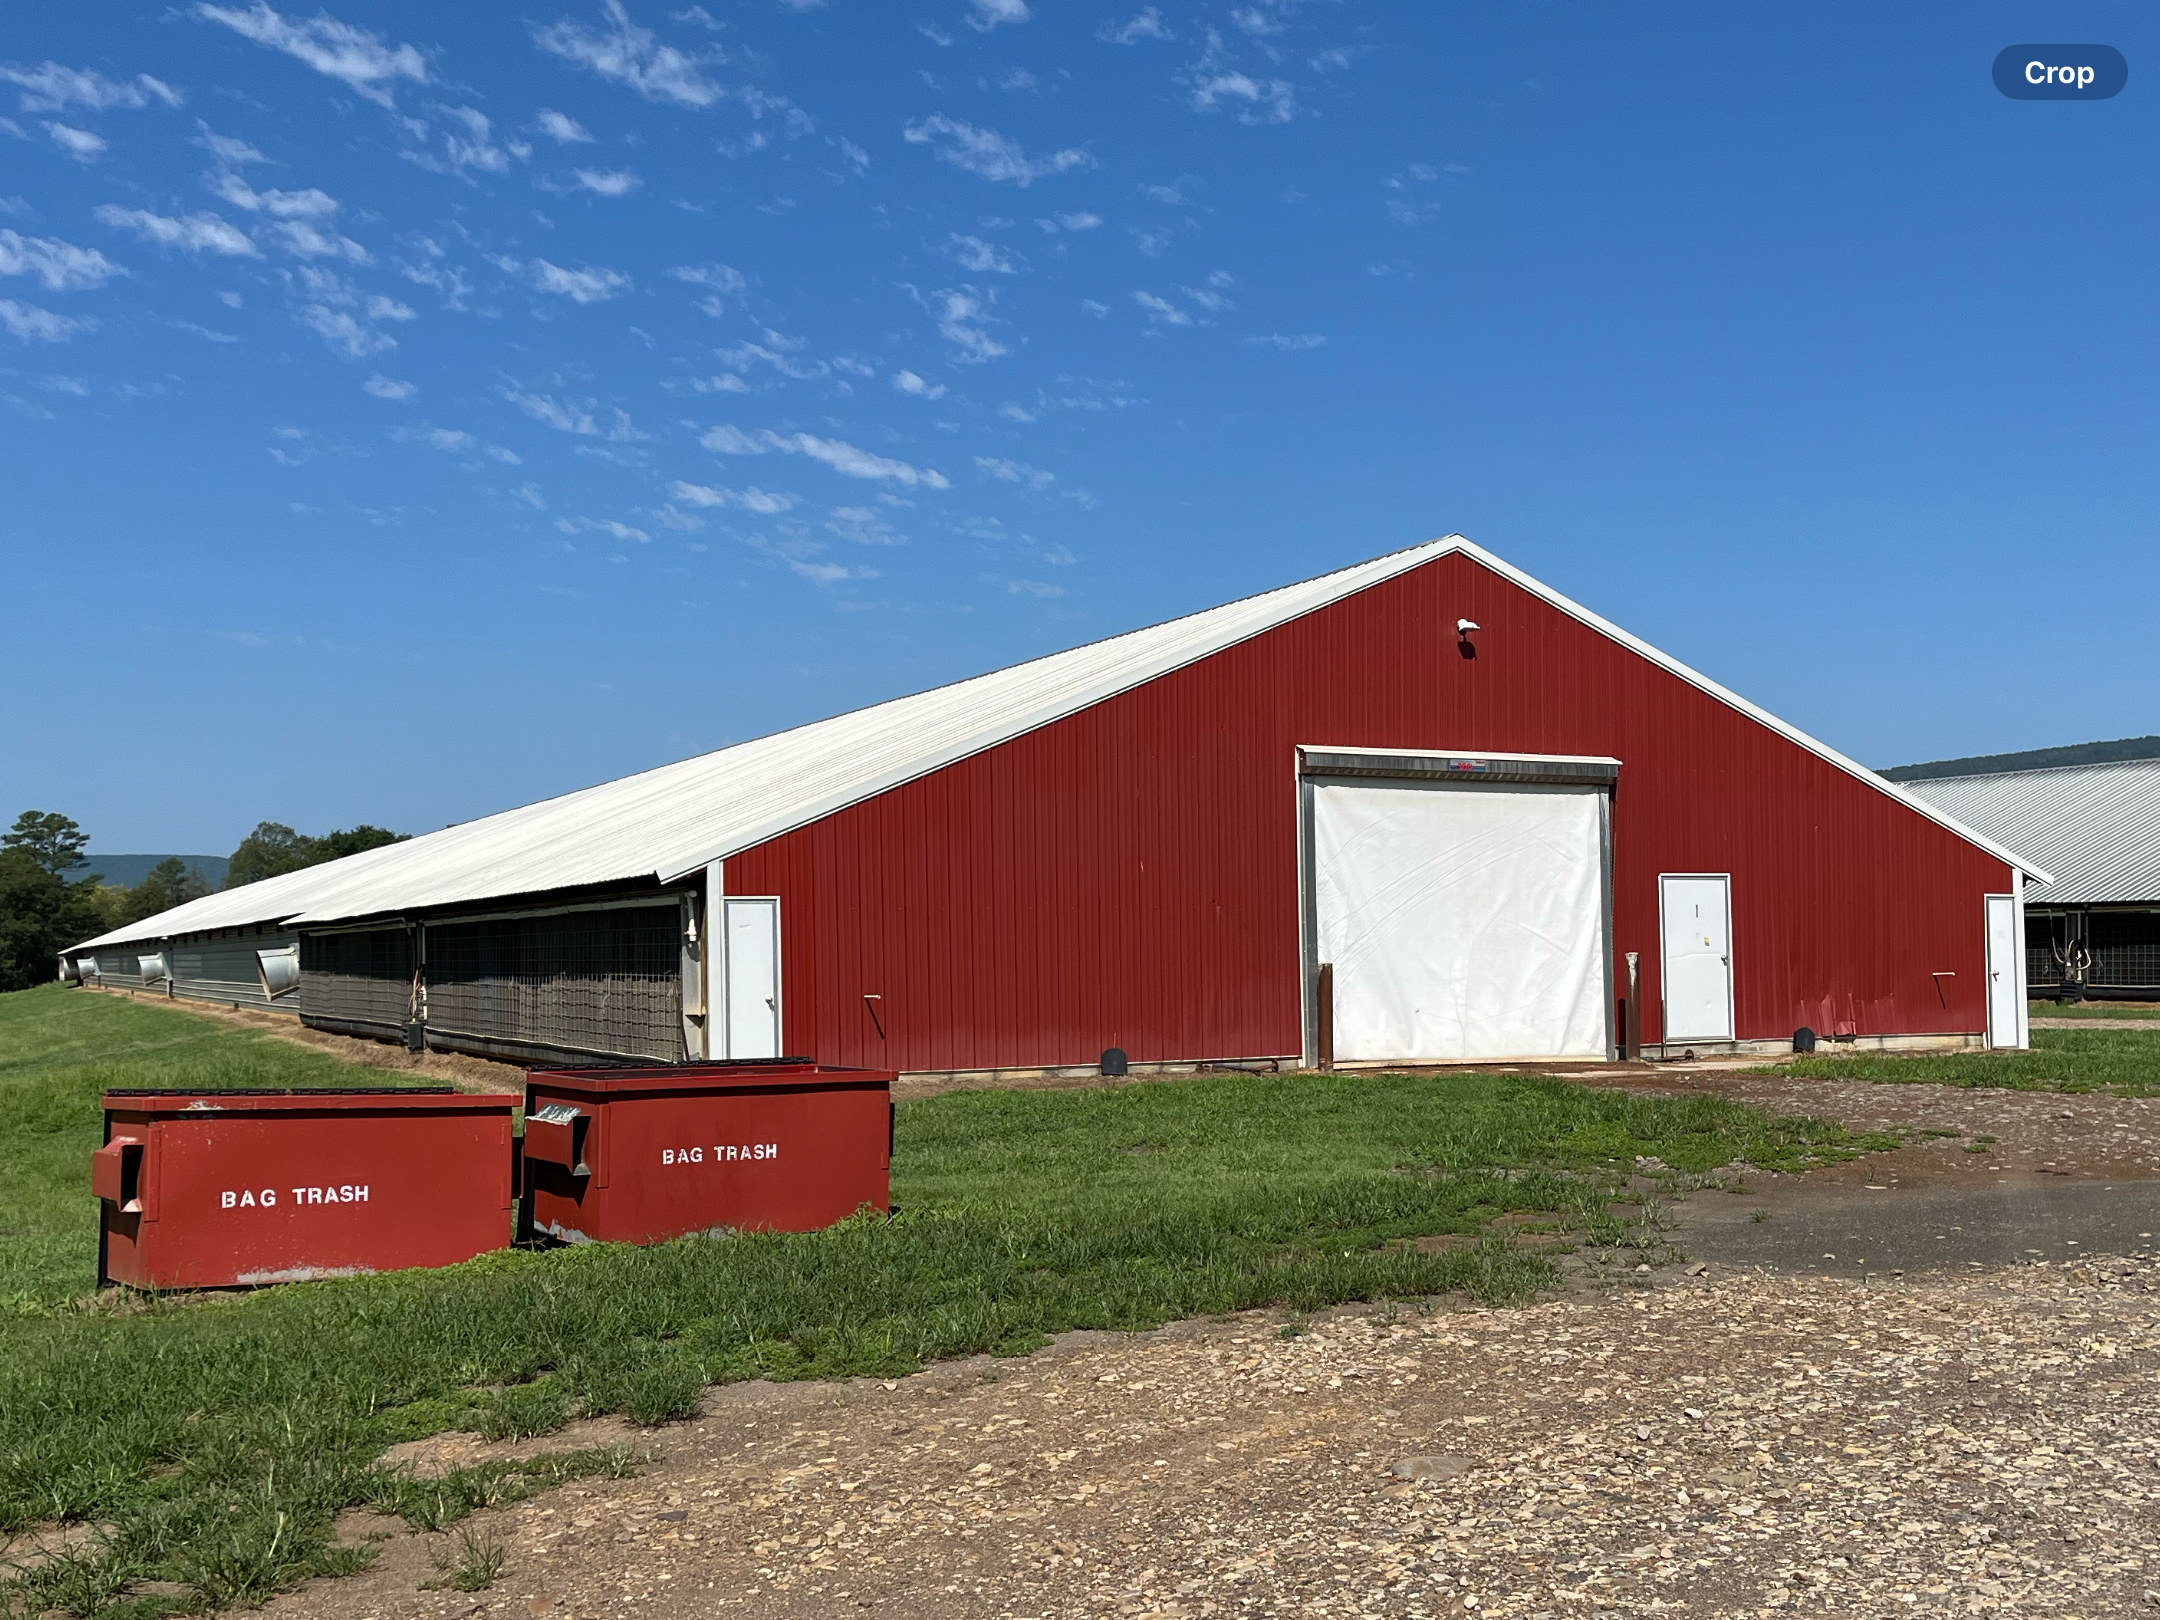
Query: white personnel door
[1462, 922]
[2006, 991]
[1695, 921]
[752, 964]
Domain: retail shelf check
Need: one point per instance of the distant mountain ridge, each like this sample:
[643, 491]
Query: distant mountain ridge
[2033, 759]
[125, 871]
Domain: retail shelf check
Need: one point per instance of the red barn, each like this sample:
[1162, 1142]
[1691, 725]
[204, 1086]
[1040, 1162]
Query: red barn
[1422, 809]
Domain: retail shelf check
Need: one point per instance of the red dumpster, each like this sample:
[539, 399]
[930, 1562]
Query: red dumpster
[634, 1155]
[219, 1189]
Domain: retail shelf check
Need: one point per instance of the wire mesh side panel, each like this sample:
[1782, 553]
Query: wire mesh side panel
[2042, 932]
[2125, 949]
[608, 983]
[357, 981]
[226, 970]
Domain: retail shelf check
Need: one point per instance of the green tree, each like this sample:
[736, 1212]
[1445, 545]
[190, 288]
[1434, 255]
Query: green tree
[172, 882]
[41, 914]
[274, 849]
[338, 844]
[271, 850]
[48, 838]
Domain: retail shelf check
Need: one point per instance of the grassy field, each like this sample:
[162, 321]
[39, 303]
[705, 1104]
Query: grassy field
[2125, 1062]
[2095, 1009]
[214, 1440]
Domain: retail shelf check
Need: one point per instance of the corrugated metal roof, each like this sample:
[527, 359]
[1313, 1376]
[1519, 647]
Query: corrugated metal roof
[667, 822]
[2096, 826]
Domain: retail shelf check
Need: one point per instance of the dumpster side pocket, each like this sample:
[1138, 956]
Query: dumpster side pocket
[116, 1174]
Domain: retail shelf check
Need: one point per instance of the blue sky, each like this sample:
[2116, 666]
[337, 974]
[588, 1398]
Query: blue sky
[410, 411]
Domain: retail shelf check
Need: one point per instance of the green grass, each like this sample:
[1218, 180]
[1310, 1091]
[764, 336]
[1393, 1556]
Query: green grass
[2094, 1009]
[2123, 1062]
[215, 1440]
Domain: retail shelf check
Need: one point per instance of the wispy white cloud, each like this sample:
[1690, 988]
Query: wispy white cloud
[590, 285]
[1258, 101]
[229, 150]
[985, 152]
[475, 148]
[984, 15]
[1016, 472]
[863, 526]
[908, 383]
[49, 87]
[1161, 311]
[1215, 296]
[78, 144]
[1217, 83]
[608, 182]
[1148, 24]
[973, 253]
[842, 457]
[586, 525]
[633, 57]
[828, 573]
[344, 334]
[1033, 587]
[361, 60]
[1288, 342]
[725, 282]
[305, 241]
[59, 266]
[763, 501]
[193, 233]
[35, 325]
[388, 388]
[308, 204]
[961, 314]
[1069, 222]
[561, 127]
[568, 416]
[1409, 205]
[1094, 307]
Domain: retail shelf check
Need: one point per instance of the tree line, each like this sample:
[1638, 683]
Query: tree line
[49, 902]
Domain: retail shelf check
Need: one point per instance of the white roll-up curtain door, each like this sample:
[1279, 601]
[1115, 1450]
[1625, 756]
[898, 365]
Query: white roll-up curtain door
[1462, 923]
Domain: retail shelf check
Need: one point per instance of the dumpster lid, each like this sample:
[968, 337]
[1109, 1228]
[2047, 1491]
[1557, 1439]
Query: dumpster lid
[743, 1075]
[293, 1100]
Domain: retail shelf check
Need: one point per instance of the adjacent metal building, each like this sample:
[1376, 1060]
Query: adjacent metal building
[1422, 809]
[2094, 930]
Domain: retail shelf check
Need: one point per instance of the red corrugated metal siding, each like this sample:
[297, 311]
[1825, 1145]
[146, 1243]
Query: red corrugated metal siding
[1128, 877]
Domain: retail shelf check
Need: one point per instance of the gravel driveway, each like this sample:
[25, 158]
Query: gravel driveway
[1727, 1445]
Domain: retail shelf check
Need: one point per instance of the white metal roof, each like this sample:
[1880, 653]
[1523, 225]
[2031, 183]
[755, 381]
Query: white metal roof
[668, 822]
[2096, 826]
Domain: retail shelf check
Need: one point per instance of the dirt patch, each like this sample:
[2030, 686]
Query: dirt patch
[439, 1454]
[2093, 1135]
[453, 1068]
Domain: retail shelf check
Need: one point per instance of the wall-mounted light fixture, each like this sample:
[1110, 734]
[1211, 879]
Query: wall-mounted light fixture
[1463, 631]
